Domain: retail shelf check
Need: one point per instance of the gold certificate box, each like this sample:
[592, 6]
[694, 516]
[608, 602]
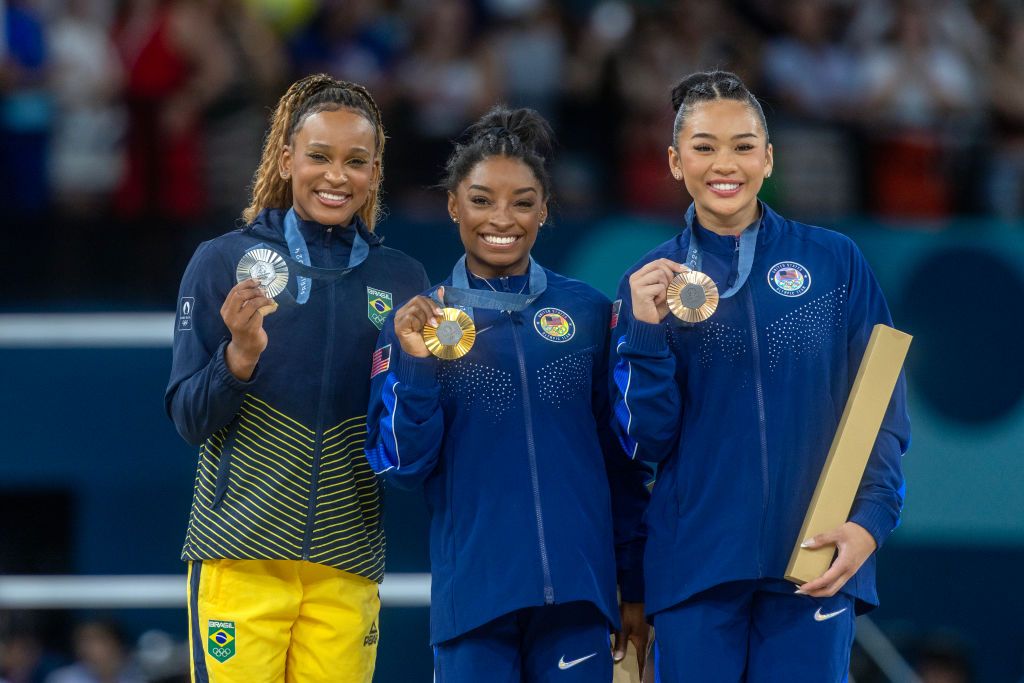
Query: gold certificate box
[844, 468]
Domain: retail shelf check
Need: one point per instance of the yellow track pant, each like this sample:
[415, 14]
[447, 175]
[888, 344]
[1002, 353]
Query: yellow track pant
[273, 621]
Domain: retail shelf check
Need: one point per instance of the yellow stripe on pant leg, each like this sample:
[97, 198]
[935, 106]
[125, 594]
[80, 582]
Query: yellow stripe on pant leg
[335, 637]
[246, 610]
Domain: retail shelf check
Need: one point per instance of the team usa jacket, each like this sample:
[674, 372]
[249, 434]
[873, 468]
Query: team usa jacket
[524, 478]
[739, 411]
[281, 472]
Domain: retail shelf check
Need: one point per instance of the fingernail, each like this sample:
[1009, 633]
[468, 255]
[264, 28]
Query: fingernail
[438, 311]
[807, 542]
[433, 322]
[799, 591]
[618, 656]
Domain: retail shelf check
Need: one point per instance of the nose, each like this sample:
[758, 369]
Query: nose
[724, 163]
[501, 216]
[335, 174]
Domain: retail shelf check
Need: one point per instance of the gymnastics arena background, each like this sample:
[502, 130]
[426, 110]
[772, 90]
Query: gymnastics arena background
[899, 123]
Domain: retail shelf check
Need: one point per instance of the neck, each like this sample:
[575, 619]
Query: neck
[728, 224]
[489, 271]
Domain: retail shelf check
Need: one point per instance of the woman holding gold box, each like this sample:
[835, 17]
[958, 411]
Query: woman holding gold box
[737, 345]
[508, 431]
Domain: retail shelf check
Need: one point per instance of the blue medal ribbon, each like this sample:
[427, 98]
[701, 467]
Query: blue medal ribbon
[460, 295]
[300, 263]
[748, 245]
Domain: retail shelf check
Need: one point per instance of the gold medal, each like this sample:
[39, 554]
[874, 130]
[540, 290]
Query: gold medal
[692, 296]
[269, 269]
[453, 337]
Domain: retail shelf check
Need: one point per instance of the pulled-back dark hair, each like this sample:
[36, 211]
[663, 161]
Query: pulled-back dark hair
[515, 133]
[707, 86]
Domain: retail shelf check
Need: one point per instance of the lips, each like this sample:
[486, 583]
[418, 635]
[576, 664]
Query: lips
[332, 199]
[500, 241]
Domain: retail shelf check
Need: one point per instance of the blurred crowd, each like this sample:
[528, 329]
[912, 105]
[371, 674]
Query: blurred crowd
[146, 117]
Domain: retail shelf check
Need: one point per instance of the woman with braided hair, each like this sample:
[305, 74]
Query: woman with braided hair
[273, 341]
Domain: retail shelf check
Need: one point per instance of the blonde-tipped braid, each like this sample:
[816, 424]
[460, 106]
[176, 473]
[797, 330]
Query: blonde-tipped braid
[270, 189]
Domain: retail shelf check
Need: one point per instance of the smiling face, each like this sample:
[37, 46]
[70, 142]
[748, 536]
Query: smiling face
[499, 207]
[723, 157]
[332, 166]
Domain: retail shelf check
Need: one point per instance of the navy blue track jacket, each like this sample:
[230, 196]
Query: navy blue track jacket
[513, 444]
[740, 410]
[281, 470]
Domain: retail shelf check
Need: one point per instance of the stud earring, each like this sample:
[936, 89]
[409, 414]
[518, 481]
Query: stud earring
[455, 220]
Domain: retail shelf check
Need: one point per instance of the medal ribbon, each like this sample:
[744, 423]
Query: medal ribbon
[748, 245]
[459, 294]
[300, 263]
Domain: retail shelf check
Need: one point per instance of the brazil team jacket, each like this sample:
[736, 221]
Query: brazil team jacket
[740, 410]
[281, 468]
[513, 444]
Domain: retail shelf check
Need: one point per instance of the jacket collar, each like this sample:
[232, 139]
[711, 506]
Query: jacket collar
[726, 244]
[269, 225]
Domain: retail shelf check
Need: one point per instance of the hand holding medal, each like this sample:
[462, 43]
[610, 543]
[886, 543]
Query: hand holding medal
[649, 287]
[424, 328]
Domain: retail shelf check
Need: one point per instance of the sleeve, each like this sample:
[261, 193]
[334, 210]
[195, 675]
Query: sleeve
[627, 480]
[202, 395]
[645, 396]
[404, 420]
[879, 500]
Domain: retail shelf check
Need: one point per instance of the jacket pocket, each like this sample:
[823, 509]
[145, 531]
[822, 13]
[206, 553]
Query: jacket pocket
[223, 468]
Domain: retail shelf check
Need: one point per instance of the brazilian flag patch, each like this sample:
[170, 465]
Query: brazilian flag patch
[378, 304]
[220, 641]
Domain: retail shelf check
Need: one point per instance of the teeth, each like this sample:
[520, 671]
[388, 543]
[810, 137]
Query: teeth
[494, 239]
[332, 197]
[725, 187]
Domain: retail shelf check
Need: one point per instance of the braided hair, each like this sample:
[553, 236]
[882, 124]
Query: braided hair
[706, 86]
[305, 97]
[514, 133]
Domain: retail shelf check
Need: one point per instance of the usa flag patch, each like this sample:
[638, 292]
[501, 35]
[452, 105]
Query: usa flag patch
[616, 307]
[381, 361]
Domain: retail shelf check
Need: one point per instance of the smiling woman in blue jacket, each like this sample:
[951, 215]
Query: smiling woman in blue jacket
[524, 477]
[739, 411]
[285, 538]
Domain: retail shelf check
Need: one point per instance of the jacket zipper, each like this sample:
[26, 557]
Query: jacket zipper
[549, 589]
[761, 423]
[318, 444]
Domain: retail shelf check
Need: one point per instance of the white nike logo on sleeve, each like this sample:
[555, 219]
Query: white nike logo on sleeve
[818, 616]
[563, 665]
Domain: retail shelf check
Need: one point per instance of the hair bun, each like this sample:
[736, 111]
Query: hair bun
[519, 126]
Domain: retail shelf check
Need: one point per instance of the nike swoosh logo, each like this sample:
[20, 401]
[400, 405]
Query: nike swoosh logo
[818, 616]
[563, 665]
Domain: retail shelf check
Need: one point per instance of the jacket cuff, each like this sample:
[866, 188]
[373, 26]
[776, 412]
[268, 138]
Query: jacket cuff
[646, 338]
[876, 519]
[223, 373]
[417, 372]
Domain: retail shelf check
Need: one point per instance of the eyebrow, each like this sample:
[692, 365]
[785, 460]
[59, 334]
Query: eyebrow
[324, 145]
[734, 137]
[521, 190]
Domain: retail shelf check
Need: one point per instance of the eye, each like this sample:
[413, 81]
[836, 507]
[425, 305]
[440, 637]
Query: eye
[525, 204]
[479, 200]
[357, 162]
[702, 148]
[317, 156]
[744, 147]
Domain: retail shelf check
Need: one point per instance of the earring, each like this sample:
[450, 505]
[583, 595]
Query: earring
[285, 176]
[455, 220]
[675, 175]
[542, 224]
[768, 174]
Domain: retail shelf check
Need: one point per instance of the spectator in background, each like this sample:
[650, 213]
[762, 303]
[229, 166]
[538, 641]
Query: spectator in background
[919, 92]
[811, 77]
[89, 124]
[22, 658]
[236, 117]
[1005, 190]
[175, 65]
[445, 81]
[101, 657]
[25, 108]
[530, 50]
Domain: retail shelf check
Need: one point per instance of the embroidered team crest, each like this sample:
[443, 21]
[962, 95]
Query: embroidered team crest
[378, 304]
[185, 307]
[381, 361]
[789, 278]
[220, 642]
[616, 307]
[554, 325]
